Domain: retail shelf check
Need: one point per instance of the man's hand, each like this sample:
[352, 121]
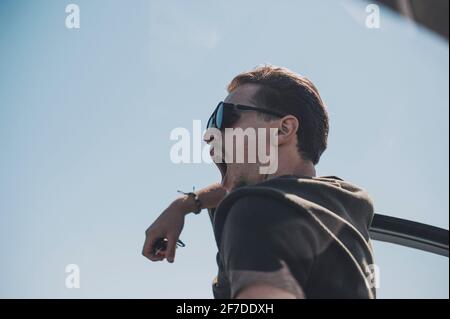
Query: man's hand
[171, 221]
[168, 225]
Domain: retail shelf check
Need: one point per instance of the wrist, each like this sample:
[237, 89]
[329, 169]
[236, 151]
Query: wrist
[184, 204]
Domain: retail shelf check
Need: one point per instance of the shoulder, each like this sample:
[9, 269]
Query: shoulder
[258, 208]
[270, 227]
[259, 212]
[267, 218]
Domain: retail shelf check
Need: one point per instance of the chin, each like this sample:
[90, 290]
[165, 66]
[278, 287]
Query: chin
[227, 182]
[228, 179]
[232, 175]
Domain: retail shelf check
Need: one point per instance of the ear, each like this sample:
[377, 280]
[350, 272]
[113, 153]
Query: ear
[287, 130]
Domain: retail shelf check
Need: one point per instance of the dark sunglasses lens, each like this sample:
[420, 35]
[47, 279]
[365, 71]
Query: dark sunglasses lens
[219, 117]
[210, 121]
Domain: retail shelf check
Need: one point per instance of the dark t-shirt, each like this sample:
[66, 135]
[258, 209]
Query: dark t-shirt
[297, 234]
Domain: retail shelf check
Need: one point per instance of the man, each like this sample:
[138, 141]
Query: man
[285, 234]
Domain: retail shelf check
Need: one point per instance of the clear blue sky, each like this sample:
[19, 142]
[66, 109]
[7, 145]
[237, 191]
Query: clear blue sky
[85, 118]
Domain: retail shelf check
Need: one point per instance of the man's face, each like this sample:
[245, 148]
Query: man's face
[246, 172]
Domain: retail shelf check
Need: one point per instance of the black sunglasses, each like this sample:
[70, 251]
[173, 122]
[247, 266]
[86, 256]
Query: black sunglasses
[226, 114]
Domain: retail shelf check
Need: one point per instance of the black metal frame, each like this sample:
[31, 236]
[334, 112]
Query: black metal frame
[410, 234]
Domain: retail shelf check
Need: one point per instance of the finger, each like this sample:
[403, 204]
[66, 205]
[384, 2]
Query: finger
[158, 255]
[170, 251]
[147, 249]
[154, 257]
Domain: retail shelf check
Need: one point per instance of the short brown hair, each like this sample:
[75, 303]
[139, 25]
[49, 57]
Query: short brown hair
[290, 93]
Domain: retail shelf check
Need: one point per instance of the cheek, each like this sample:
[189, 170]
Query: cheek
[263, 138]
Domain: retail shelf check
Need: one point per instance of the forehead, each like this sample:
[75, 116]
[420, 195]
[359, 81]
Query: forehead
[243, 94]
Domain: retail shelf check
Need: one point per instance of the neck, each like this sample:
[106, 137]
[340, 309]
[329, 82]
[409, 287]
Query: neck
[300, 168]
[305, 169]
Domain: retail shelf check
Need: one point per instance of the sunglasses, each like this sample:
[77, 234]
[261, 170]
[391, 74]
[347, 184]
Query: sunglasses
[226, 114]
